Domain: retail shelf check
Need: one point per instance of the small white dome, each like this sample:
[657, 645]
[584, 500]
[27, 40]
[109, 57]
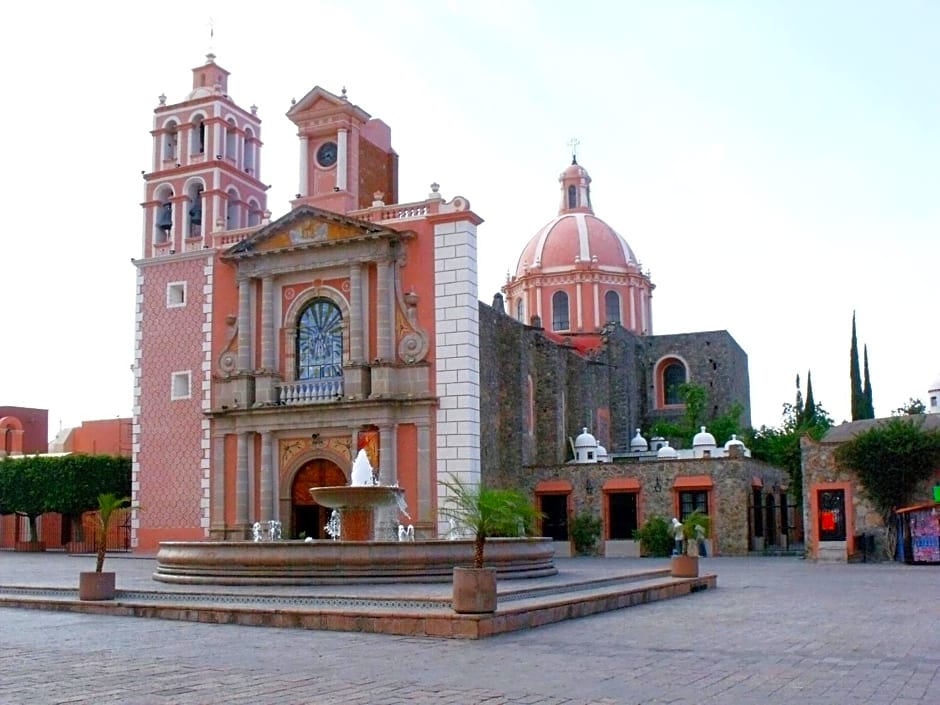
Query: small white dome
[585, 440]
[601, 454]
[703, 439]
[935, 385]
[667, 452]
[734, 442]
[639, 444]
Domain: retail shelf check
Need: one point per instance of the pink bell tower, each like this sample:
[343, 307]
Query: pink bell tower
[202, 195]
[206, 158]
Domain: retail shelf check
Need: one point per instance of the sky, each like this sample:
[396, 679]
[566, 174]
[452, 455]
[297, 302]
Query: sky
[774, 165]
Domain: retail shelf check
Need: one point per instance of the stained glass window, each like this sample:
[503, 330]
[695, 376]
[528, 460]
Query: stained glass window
[320, 341]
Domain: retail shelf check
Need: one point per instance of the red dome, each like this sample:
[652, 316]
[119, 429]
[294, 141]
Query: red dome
[573, 238]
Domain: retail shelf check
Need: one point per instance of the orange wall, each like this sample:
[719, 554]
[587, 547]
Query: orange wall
[103, 437]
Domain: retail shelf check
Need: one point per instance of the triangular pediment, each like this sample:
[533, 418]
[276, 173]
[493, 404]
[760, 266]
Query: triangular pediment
[321, 100]
[305, 227]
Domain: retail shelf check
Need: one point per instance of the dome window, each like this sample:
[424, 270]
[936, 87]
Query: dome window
[612, 307]
[572, 196]
[560, 317]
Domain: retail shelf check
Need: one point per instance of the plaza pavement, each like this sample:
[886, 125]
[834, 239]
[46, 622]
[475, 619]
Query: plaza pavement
[777, 630]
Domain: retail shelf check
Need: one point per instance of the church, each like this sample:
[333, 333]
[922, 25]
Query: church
[269, 351]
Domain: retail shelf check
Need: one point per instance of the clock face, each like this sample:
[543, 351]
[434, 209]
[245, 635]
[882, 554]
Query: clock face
[326, 155]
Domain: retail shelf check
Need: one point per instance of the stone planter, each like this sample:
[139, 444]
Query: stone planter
[474, 590]
[96, 586]
[684, 567]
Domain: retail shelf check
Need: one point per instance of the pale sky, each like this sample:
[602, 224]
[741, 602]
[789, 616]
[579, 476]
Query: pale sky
[775, 165]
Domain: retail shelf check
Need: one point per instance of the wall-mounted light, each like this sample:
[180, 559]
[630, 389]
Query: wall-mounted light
[588, 486]
[658, 485]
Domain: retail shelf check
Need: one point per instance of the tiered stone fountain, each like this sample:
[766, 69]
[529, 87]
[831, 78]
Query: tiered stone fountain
[366, 549]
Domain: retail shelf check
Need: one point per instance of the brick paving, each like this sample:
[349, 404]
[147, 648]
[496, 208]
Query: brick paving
[777, 630]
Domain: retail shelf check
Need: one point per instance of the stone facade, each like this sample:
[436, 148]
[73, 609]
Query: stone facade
[535, 391]
[730, 483]
[823, 473]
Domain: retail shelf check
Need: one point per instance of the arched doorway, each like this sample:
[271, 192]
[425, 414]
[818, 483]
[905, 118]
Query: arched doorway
[307, 517]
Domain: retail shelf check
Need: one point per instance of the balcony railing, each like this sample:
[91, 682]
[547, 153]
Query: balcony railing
[310, 391]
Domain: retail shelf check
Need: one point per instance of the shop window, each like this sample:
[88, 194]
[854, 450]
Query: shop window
[691, 501]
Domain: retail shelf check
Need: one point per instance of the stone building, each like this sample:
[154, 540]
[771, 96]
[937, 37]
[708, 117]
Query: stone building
[837, 510]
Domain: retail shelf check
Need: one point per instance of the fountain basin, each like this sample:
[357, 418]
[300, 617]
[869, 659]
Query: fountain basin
[358, 506]
[326, 562]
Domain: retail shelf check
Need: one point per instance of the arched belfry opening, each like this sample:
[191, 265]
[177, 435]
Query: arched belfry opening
[309, 519]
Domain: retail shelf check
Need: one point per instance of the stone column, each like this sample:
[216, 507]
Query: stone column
[267, 323]
[384, 322]
[241, 482]
[342, 158]
[217, 520]
[302, 184]
[388, 451]
[268, 479]
[244, 325]
[356, 338]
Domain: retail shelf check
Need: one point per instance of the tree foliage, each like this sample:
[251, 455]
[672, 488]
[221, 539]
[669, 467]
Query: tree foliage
[487, 511]
[34, 485]
[695, 399]
[891, 460]
[911, 408]
[780, 446]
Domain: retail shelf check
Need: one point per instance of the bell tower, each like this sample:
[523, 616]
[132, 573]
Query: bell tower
[204, 178]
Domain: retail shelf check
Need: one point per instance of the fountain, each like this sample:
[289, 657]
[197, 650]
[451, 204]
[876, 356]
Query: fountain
[367, 545]
[363, 505]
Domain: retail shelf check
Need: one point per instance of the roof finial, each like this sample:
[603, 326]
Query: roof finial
[573, 143]
[343, 94]
[211, 33]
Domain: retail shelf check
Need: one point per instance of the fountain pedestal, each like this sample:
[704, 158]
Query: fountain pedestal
[358, 506]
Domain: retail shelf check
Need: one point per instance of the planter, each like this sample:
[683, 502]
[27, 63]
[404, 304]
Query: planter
[96, 586]
[474, 590]
[684, 567]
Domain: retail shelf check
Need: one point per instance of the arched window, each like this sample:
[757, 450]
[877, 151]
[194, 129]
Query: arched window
[197, 143]
[231, 141]
[320, 341]
[673, 377]
[572, 197]
[254, 213]
[194, 212]
[232, 219]
[249, 151]
[560, 319]
[520, 310]
[170, 142]
[612, 307]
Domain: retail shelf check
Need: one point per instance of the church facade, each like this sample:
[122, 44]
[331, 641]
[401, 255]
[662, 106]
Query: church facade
[269, 351]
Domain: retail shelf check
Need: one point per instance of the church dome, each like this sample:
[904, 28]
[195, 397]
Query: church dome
[577, 275]
[576, 236]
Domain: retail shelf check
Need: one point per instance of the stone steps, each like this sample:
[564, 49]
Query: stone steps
[394, 613]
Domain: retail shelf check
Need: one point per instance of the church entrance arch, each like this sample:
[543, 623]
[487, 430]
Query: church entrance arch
[308, 518]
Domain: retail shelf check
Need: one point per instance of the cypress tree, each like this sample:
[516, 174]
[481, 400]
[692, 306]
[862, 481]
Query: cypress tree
[809, 411]
[869, 405]
[798, 407]
[858, 396]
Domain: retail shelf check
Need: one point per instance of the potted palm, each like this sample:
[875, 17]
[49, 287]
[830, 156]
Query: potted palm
[99, 585]
[688, 533]
[483, 512]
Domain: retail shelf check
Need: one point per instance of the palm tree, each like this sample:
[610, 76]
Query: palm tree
[108, 504]
[487, 511]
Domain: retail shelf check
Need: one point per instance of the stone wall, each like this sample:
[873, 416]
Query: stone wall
[610, 391]
[733, 480]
